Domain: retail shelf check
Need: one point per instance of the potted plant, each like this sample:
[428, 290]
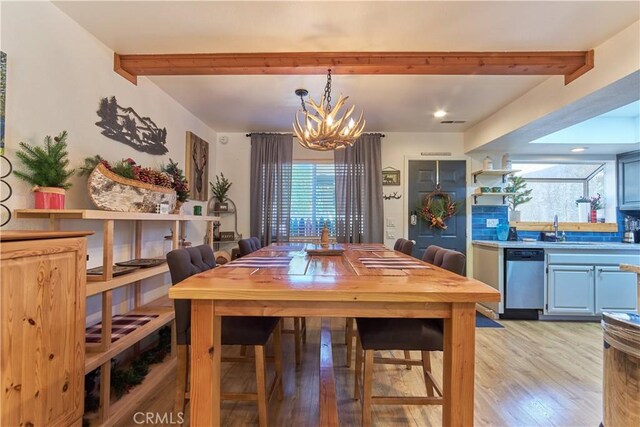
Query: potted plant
[219, 191]
[47, 170]
[178, 183]
[596, 205]
[521, 195]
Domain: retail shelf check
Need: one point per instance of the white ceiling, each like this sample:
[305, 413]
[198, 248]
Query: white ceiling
[391, 103]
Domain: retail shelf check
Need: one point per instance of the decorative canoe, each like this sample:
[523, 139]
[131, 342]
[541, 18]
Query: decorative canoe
[112, 192]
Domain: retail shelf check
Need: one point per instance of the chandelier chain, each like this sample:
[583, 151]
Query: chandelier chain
[304, 108]
[327, 90]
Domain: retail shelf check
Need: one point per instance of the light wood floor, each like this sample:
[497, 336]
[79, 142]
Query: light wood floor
[527, 374]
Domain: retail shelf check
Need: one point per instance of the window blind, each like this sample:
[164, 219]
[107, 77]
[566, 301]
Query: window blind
[313, 199]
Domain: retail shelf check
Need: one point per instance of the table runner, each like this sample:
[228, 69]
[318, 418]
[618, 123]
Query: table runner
[260, 262]
[392, 263]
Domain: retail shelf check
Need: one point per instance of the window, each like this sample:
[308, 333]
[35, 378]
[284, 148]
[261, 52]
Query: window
[313, 199]
[556, 188]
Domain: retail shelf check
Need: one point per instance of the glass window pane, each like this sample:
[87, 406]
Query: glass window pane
[553, 170]
[551, 198]
[313, 199]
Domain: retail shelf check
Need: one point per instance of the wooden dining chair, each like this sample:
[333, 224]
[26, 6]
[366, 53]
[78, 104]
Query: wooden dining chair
[246, 331]
[299, 330]
[424, 335]
[404, 246]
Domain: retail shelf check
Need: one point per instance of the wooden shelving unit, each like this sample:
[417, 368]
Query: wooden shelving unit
[479, 193]
[494, 172]
[99, 355]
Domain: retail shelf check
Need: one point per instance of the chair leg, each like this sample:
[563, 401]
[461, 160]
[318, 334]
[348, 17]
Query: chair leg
[277, 355]
[349, 340]
[426, 368]
[407, 355]
[356, 383]
[261, 382]
[182, 372]
[296, 339]
[366, 388]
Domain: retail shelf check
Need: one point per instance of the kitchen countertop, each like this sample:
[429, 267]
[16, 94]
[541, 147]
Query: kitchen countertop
[561, 245]
[630, 267]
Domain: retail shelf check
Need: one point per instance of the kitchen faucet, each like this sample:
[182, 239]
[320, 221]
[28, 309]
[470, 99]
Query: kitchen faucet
[555, 226]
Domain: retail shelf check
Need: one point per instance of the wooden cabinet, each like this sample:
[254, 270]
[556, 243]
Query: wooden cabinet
[42, 314]
[616, 290]
[629, 181]
[570, 290]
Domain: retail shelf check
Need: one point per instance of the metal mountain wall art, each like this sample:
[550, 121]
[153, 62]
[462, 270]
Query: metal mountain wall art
[125, 125]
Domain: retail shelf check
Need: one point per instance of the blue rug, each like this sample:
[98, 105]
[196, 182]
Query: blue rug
[485, 322]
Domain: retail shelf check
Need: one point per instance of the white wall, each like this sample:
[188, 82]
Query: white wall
[57, 73]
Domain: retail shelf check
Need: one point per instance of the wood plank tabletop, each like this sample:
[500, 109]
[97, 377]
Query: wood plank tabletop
[286, 272]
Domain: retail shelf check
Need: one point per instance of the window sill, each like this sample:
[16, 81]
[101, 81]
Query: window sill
[592, 227]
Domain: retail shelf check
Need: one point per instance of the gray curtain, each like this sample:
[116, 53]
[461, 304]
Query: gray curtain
[359, 216]
[271, 160]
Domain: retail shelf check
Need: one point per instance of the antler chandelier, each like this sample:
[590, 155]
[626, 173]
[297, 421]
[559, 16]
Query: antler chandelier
[324, 130]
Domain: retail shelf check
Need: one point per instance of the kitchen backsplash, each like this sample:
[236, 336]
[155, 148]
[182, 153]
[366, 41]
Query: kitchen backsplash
[480, 214]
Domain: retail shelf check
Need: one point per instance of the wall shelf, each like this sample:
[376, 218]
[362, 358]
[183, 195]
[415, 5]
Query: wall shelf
[93, 360]
[106, 215]
[96, 285]
[493, 172]
[504, 196]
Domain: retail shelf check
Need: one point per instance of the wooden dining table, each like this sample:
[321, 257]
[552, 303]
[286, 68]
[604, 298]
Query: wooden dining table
[284, 280]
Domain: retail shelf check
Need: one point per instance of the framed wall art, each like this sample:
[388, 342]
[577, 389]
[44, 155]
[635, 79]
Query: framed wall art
[390, 176]
[197, 167]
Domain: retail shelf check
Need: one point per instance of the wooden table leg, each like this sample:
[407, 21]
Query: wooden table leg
[459, 360]
[206, 350]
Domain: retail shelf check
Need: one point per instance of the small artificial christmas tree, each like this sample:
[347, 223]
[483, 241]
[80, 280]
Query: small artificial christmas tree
[46, 166]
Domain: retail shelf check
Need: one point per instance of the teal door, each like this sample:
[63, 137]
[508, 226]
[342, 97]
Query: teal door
[422, 181]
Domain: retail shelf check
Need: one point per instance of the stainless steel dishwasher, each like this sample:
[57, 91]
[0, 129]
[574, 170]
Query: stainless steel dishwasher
[524, 283]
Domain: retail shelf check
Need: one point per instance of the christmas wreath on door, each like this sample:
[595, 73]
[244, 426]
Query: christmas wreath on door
[438, 206]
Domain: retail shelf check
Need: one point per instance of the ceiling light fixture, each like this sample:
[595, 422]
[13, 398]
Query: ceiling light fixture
[439, 114]
[330, 131]
[578, 149]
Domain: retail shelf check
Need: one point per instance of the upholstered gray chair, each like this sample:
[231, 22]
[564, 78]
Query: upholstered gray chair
[403, 245]
[424, 335]
[299, 331]
[430, 253]
[248, 246]
[246, 331]
[256, 243]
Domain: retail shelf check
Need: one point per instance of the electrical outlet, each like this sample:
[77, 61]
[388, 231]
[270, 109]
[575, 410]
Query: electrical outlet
[391, 235]
[492, 222]
[391, 222]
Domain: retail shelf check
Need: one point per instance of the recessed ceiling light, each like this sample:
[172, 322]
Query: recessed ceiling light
[578, 149]
[439, 113]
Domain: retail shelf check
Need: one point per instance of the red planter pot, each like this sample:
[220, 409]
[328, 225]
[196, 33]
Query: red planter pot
[594, 216]
[49, 197]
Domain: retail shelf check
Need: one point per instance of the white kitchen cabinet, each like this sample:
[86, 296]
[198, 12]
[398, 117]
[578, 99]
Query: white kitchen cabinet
[615, 290]
[570, 290]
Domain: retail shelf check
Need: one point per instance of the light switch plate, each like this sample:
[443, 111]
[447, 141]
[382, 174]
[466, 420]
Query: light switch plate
[391, 235]
[391, 222]
[492, 222]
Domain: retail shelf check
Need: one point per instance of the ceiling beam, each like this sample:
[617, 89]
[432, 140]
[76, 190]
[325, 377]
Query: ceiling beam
[569, 64]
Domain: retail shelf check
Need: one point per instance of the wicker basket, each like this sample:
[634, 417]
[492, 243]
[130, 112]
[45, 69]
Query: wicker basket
[111, 192]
